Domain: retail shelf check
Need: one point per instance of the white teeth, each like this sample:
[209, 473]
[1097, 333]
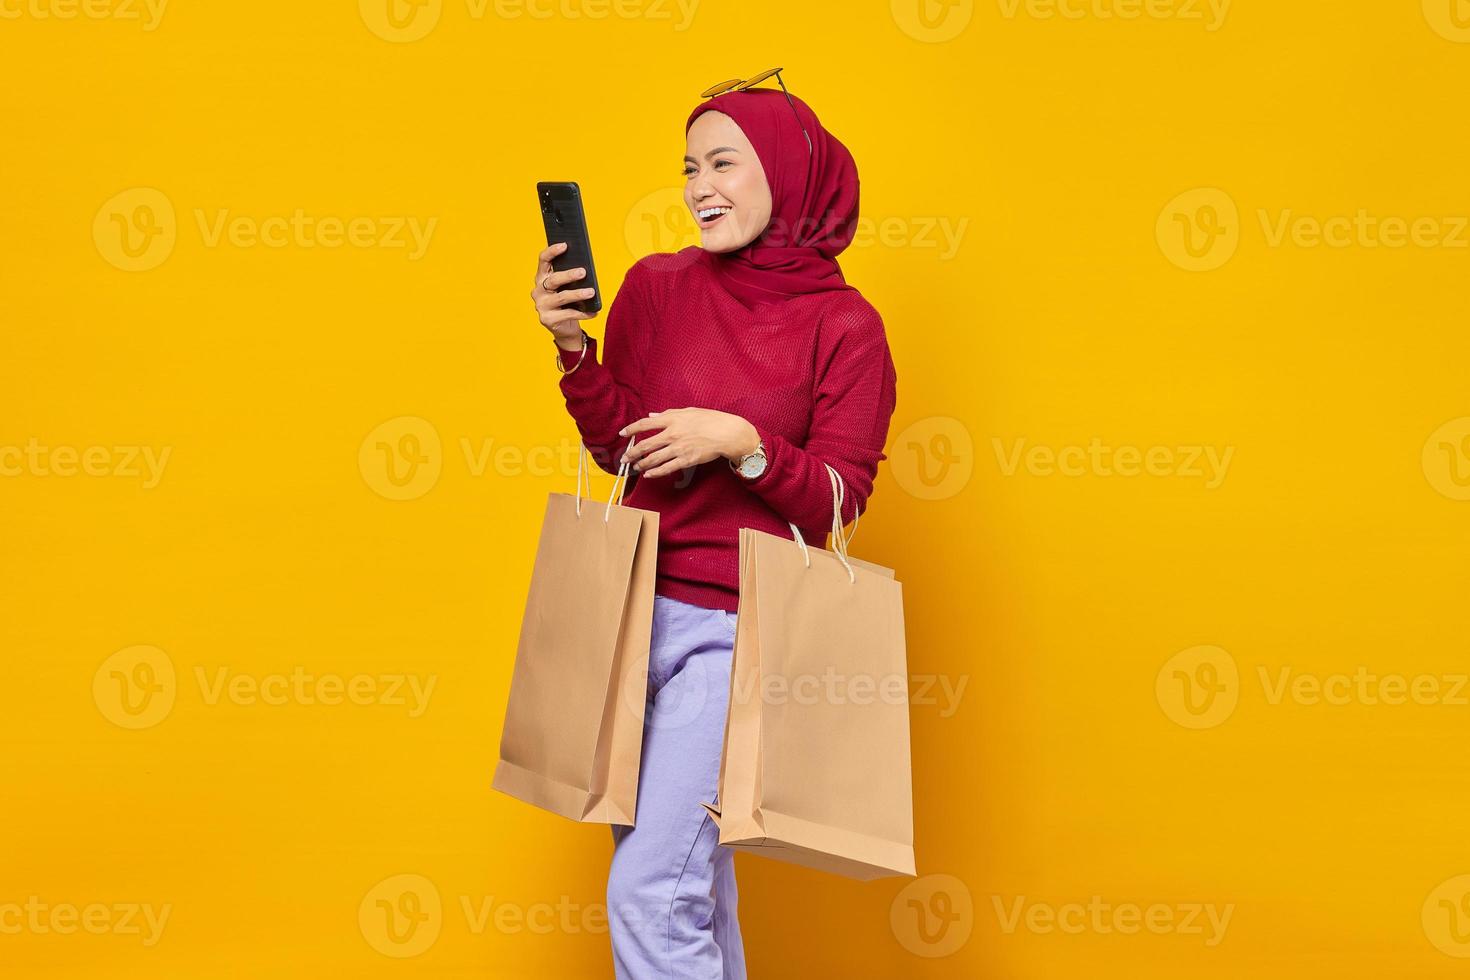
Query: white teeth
[708, 212]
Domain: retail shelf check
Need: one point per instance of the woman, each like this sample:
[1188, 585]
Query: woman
[740, 366]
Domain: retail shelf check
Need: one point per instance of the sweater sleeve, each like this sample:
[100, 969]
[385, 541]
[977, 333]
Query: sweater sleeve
[602, 397]
[856, 392]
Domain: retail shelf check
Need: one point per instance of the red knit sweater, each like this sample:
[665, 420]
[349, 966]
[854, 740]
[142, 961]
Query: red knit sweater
[813, 374]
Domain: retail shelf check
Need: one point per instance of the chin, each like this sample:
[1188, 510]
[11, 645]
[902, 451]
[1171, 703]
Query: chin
[721, 241]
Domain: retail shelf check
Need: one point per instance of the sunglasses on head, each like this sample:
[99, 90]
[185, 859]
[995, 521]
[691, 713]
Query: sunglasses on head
[740, 85]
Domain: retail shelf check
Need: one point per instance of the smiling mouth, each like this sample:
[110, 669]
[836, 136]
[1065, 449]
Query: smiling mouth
[708, 216]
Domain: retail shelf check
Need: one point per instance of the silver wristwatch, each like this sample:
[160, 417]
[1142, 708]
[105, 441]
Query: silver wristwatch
[752, 464]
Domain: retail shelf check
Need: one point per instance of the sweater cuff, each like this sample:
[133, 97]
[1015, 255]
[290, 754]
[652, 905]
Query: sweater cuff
[570, 359]
[774, 484]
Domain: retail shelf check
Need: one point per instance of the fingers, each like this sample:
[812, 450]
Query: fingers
[655, 420]
[548, 295]
[644, 447]
[669, 468]
[556, 280]
[549, 300]
[658, 463]
[554, 317]
[543, 261]
[549, 281]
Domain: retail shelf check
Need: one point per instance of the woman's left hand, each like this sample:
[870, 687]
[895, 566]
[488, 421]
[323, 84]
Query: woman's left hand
[688, 437]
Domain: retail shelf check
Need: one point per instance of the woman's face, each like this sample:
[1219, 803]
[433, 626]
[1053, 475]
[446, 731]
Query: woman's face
[722, 172]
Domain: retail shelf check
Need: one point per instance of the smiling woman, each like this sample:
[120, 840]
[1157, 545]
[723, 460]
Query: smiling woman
[744, 367]
[732, 204]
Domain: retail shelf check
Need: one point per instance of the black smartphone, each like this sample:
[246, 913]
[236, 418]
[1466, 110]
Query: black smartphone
[565, 221]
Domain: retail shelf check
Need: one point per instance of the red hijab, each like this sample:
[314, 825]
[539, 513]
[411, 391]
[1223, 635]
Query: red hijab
[814, 201]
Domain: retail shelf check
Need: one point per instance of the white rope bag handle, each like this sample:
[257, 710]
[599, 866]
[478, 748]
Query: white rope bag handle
[839, 542]
[620, 483]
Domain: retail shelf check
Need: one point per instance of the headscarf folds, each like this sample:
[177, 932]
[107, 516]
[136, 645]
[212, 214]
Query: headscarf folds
[814, 201]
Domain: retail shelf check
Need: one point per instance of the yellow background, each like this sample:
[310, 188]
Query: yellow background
[1066, 154]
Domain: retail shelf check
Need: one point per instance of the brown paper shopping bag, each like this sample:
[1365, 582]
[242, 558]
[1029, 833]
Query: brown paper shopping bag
[816, 768]
[573, 732]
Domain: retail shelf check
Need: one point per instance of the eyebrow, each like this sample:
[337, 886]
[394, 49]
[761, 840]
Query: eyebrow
[711, 153]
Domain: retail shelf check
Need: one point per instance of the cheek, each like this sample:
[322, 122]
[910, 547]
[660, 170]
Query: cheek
[757, 217]
[752, 224]
[745, 190]
[754, 207]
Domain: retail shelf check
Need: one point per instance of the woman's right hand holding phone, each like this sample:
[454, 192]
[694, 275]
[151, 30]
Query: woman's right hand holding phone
[564, 324]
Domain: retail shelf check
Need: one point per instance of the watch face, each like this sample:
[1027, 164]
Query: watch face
[753, 467]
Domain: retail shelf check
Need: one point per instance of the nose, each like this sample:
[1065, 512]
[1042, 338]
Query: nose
[700, 189]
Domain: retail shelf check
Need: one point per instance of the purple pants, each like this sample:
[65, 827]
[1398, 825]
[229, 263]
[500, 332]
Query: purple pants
[671, 887]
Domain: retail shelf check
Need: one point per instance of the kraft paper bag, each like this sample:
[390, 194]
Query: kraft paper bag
[818, 772]
[573, 734]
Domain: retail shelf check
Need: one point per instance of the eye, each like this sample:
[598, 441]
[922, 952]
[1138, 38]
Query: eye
[688, 170]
